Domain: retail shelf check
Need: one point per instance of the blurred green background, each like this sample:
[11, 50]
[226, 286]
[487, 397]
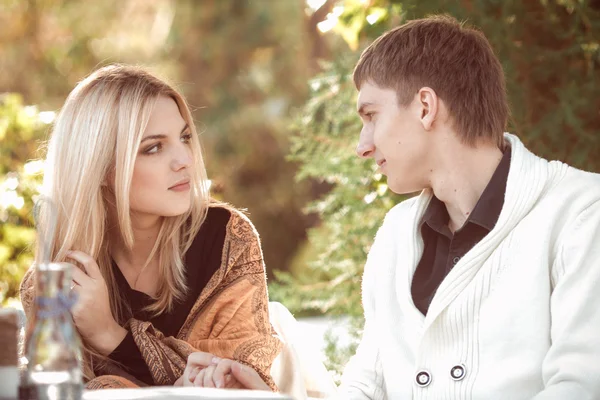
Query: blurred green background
[269, 82]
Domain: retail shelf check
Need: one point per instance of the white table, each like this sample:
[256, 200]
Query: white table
[181, 393]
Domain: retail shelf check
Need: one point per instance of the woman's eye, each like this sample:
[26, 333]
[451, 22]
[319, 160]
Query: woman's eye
[153, 149]
[186, 138]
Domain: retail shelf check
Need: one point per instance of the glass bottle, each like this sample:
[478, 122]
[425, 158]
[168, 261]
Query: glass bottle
[52, 345]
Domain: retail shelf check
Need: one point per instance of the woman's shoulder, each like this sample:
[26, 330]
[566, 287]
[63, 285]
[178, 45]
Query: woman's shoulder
[224, 225]
[218, 215]
[225, 230]
[231, 220]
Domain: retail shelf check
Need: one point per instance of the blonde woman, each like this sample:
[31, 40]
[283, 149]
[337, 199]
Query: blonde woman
[163, 271]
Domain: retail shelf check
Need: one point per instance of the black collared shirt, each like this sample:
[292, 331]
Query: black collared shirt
[442, 248]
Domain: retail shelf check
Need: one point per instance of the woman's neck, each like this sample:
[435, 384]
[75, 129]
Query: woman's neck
[145, 233]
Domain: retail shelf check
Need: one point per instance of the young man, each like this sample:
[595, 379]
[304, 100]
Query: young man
[487, 284]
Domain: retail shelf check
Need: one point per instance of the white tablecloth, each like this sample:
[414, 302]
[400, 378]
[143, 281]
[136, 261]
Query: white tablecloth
[177, 393]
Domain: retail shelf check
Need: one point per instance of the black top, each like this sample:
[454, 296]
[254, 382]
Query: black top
[202, 260]
[442, 248]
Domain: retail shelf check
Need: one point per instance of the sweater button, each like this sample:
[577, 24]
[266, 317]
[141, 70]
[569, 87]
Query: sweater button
[458, 372]
[423, 379]
[455, 260]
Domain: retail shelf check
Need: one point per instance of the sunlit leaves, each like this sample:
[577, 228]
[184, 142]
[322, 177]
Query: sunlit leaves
[21, 129]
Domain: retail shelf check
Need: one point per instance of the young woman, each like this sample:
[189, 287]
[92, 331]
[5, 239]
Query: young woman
[163, 271]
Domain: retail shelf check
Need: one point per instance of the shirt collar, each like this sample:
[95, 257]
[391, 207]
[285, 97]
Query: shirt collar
[488, 207]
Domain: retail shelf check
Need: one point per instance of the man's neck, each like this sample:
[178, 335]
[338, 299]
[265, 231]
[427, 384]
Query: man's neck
[461, 176]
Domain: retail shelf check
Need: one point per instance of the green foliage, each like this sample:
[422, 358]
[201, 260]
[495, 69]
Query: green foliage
[551, 54]
[326, 136]
[327, 129]
[248, 66]
[21, 131]
[241, 65]
[337, 355]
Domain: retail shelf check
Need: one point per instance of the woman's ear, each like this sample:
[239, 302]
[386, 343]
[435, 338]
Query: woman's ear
[109, 179]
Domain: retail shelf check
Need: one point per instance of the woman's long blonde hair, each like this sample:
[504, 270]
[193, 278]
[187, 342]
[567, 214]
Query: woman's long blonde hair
[97, 133]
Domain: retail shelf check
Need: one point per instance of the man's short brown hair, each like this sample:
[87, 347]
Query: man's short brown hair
[457, 62]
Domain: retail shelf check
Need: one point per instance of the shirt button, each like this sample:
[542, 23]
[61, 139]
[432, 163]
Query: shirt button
[423, 379]
[455, 260]
[458, 372]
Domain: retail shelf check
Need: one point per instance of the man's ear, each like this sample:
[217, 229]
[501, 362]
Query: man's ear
[428, 103]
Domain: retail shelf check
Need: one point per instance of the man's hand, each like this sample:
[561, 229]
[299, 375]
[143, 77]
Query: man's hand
[248, 377]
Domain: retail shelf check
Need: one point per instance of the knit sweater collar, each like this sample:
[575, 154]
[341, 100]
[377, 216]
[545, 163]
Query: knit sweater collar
[529, 178]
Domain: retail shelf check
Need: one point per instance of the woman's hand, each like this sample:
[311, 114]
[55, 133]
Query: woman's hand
[206, 370]
[91, 313]
[206, 378]
[200, 369]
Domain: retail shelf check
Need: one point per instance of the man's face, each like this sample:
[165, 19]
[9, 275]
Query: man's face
[394, 137]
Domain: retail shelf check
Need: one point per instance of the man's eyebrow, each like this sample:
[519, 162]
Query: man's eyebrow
[162, 136]
[362, 106]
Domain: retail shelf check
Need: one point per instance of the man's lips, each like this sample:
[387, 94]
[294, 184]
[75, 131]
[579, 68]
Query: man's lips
[381, 163]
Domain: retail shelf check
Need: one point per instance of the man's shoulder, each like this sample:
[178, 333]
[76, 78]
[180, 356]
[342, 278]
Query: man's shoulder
[402, 210]
[572, 198]
[582, 180]
[398, 216]
[580, 188]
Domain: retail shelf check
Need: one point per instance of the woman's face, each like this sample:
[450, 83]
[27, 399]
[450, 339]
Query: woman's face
[161, 177]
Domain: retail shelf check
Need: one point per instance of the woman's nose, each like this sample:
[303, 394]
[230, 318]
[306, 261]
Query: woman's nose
[183, 159]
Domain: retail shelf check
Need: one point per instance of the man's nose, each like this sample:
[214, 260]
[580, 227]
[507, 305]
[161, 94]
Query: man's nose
[366, 147]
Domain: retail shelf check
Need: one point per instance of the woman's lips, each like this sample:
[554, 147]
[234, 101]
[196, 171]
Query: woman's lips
[180, 187]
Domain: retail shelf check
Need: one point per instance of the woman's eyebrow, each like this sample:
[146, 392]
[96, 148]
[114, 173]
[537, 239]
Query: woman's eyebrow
[162, 136]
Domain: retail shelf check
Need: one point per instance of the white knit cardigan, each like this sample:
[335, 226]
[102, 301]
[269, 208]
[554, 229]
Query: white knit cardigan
[519, 314]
